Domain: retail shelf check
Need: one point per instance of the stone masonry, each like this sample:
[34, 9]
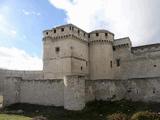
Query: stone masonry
[79, 67]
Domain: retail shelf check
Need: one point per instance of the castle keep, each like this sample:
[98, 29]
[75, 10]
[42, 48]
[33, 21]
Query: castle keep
[79, 67]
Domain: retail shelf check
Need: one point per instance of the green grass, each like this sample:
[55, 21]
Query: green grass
[13, 117]
[97, 110]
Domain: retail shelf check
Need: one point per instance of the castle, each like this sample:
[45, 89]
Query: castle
[79, 67]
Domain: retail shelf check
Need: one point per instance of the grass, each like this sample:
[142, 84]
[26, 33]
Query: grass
[97, 110]
[13, 117]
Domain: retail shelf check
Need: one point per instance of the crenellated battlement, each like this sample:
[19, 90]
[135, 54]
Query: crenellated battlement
[146, 49]
[66, 31]
[101, 36]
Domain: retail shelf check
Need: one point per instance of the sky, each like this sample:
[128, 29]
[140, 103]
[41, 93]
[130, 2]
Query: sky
[22, 23]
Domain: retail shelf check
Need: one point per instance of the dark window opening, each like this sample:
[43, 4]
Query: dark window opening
[154, 91]
[84, 34]
[88, 35]
[106, 34]
[70, 28]
[111, 64]
[78, 31]
[97, 34]
[114, 49]
[86, 63]
[81, 68]
[54, 31]
[57, 49]
[46, 33]
[118, 62]
[155, 65]
[62, 29]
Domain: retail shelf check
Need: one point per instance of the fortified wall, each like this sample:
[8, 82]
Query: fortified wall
[79, 67]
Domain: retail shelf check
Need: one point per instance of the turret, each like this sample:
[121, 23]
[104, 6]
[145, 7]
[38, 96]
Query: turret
[101, 54]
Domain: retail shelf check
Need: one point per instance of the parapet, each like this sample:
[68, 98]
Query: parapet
[146, 48]
[122, 43]
[66, 31]
[101, 36]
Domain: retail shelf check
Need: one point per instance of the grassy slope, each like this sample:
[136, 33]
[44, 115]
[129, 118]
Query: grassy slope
[13, 117]
[97, 110]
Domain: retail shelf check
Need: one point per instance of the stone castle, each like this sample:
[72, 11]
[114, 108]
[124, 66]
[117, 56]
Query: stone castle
[79, 67]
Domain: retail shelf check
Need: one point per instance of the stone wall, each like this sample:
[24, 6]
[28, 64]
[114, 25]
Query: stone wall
[138, 89]
[43, 92]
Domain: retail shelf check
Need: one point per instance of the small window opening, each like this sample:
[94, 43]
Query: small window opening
[70, 28]
[81, 68]
[114, 49]
[97, 34]
[84, 34]
[111, 64]
[88, 35]
[154, 91]
[118, 62]
[57, 49]
[54, 31]
[62, 29]
[86, 63]
[46, 33]
[106, 34]
[78, 31]
[155, 65]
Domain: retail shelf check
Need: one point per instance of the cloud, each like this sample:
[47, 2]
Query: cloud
[138, 19]
[17, 59]
[6, 28]
[25, 12]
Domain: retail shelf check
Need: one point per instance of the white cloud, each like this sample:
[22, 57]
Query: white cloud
[6, 28]
[137, 19]
[17, 59]
[25, 12]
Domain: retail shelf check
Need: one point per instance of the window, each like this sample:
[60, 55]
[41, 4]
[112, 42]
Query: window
[62, 29]
[155, 65]
[46, 33]
[118, 62]
[81, 68]
[88, 35]
[70, 27]
[111, 64]
[54, 31]
[114, 49]
[97, 34]
[106, 34]
[86, 63]
[57, 49]
[78, 31]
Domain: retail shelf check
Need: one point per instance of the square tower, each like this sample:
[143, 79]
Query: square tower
[65, 52]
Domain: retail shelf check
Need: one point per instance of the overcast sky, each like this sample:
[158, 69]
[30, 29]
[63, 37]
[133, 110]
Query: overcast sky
[22, 23]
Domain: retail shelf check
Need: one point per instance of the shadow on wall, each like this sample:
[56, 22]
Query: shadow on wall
[1, 101]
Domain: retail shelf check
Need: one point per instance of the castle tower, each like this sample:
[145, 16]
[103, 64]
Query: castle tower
[65, 52]
[66, 57]
[101, 54]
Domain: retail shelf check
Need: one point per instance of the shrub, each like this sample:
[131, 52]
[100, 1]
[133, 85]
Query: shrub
[117, 116]
[145, 116]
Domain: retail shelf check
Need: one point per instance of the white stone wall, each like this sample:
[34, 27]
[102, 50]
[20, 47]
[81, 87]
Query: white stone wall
[74, 92]
[43, 92]
[142, 89]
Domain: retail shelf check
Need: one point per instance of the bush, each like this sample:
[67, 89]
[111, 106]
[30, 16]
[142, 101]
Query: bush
[117, 116]
[145, 116]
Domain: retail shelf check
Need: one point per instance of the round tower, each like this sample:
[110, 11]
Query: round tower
[101, 54]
